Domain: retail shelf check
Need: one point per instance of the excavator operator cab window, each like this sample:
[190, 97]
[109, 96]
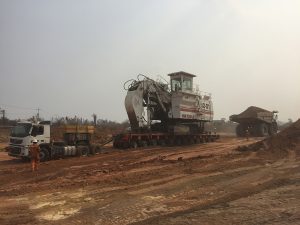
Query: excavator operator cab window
[187, 84]
[181, 84]
[176, 84]
[181, 81]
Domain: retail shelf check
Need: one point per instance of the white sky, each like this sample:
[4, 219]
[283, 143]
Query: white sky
[72, 57]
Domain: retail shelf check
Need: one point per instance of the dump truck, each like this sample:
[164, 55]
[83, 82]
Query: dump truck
[162, 113]
[76, 140]
[256, 122]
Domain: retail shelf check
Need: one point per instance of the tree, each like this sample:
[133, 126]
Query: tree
[94, 119]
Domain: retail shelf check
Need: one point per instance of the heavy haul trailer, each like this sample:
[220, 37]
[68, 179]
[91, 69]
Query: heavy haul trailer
[135, 140]
[76, 140]
[166, 113]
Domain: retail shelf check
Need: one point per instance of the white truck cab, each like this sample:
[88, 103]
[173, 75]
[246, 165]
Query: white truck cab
[22, 135]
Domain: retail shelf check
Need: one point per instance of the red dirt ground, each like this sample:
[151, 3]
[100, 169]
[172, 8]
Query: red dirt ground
[210, 183]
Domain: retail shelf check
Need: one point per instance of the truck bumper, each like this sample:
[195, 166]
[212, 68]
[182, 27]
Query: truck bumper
[18, 151]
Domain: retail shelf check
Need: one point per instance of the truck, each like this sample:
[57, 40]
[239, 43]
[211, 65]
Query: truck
[76, 140]
[166, 113]
[256, 122]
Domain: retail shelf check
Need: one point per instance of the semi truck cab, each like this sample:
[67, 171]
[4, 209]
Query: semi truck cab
[22, 135]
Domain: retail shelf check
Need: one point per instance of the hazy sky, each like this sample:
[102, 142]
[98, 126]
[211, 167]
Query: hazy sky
[71, 57]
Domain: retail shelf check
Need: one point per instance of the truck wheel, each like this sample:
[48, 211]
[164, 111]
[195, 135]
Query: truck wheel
[240, 130]
[162, 142]
[144, 144]
[44, 155]
[263, 130]
[85, 151]
[154, 142]
[97, 149]
[125, 145]
[134, 144]
[92, 150]
[79, 152]
[273, 128]
[178, 141]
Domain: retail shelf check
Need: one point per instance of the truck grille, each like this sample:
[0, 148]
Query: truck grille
[15, 141]
[15, 150]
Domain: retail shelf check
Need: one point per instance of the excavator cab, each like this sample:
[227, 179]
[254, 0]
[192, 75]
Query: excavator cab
[181, 81]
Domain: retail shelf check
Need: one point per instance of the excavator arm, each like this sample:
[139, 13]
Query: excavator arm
[149, 94]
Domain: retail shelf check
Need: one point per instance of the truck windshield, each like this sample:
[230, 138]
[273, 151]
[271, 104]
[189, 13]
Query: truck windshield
[21, 130]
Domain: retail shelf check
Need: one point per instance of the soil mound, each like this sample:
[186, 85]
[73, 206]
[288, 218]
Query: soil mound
[287, 139]
[252, 111]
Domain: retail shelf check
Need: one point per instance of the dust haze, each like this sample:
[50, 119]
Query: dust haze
[72, 57]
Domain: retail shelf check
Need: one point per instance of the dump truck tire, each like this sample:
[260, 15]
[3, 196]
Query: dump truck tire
[273, 128]
[240, 131]
[263, 130]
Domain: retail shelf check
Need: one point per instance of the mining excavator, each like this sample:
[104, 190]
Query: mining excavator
[166, 113]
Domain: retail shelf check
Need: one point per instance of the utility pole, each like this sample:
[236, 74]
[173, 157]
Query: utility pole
[95, 119]
[38, 114]
[3, 115]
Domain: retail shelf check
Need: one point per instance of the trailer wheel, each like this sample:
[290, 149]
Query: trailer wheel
[162, 142]
[85, 151]
[134, 144]
[154, 142]
[125, 145]
[79, 152]
[144, 144]
[97, 149]
[92, 150]
[170, 142]
[44, 154]
[178, 141]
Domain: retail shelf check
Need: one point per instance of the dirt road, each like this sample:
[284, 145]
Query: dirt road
[200, 184]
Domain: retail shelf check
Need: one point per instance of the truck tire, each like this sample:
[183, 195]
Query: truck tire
[178, 141]
[44, 154]
[134, 144]
[79, 152]
[92, 150]
[144, 144]
[263, 130]
[125, 145]
[84, 151]
[273, 128]
[153, 142]
[240, 131]
[97, 149]
[162, 142]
